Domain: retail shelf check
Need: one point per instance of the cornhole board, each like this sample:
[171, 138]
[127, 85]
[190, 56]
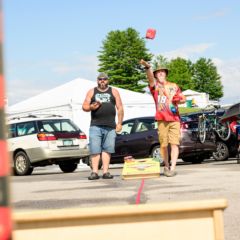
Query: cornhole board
[141, 168]
[198, 220]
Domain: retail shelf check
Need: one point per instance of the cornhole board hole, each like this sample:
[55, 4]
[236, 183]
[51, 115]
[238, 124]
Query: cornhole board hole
[198, 220]
[141, 168]
[151, 33]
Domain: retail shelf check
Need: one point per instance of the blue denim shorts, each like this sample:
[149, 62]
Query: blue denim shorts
[101, 139]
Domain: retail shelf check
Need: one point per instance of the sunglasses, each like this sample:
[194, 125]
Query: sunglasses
[99, 79]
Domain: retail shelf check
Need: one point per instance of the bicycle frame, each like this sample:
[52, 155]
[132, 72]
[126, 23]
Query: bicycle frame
[211, 122]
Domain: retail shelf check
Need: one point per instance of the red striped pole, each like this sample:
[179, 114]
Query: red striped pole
[5, 212]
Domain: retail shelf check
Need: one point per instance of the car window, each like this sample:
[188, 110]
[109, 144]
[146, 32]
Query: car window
[25, 128]
[190, 117]
[155, 125]
[46, 127]
[11, 133]
[56, 125]
[146, 125]
[127, 128]
[185, 118]
[141, 127]
[65, 126]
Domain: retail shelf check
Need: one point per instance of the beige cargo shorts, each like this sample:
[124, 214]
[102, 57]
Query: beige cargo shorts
[169, 132]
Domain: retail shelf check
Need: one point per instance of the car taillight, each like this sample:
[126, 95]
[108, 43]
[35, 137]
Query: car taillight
[46, 137]
[82, 136]
[184, 126]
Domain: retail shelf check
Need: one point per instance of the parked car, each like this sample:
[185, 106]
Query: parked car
[40, 141]
[229, 148]
[139, 138]
[224, 149]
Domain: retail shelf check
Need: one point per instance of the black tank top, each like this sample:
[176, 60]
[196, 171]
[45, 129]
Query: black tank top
[105, 114]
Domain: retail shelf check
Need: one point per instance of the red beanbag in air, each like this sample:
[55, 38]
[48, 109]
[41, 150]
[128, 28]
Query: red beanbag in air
[150, 34]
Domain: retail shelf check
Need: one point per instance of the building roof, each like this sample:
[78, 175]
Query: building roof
[191, 92]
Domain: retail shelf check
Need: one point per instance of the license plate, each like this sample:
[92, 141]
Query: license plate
[67, 142]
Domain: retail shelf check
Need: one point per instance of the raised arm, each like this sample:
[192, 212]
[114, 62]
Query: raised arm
[120, 111]
[149, 72]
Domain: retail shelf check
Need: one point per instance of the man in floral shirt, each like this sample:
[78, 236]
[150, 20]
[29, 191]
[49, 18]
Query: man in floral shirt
[167, 96]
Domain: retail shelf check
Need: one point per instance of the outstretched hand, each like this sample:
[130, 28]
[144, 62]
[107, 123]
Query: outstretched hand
[144, 63]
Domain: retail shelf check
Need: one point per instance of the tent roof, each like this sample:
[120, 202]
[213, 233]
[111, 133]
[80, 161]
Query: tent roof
[73, 92]
[191, 92]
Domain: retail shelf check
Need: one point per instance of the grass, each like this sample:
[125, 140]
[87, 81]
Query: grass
[184, 110]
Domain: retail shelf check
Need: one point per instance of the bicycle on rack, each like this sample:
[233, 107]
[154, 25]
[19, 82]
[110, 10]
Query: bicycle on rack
[211, 122]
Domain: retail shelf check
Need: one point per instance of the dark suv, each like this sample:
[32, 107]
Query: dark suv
[139, 138]
[224, 149]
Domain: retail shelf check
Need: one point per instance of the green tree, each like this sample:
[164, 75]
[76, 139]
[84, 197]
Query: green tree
[180, 72]
[206, 79]
[119, 58]
[160, 60]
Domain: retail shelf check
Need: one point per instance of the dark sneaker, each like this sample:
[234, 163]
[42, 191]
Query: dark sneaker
[93, 176]
[107, 176]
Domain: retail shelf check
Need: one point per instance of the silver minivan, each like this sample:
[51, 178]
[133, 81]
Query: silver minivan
[40, 141]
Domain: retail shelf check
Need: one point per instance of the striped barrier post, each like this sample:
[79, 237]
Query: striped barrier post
[5, 212]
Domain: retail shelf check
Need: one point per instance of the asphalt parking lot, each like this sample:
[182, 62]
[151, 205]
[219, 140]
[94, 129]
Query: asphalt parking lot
[49, 188]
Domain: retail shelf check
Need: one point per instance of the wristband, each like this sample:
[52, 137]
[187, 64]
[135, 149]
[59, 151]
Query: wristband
[146, 68]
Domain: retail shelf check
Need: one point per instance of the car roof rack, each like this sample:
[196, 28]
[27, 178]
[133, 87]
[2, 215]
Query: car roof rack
[34, 116]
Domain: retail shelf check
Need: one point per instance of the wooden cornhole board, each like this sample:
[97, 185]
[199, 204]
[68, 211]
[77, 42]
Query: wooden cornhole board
[198, 220]
[141, 168]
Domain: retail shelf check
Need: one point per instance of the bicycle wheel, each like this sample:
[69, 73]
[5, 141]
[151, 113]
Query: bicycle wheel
[202, 129]
[223, 130]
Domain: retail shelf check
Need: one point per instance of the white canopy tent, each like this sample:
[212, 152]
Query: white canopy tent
[67, 100]
[201, 99]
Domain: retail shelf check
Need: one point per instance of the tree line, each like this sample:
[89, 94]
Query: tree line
[121, 52]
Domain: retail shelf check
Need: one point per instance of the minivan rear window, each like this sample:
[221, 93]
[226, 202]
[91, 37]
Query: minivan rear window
[57, 125]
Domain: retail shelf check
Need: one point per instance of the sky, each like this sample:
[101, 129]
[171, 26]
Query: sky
[50, 42]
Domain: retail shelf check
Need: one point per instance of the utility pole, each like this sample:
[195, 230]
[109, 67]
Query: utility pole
[5, 211]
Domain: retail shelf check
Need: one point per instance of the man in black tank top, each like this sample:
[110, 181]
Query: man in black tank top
[103, 101]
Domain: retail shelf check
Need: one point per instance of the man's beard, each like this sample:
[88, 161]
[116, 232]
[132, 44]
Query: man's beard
[102, 86]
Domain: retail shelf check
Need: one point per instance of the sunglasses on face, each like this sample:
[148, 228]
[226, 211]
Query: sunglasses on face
[100, 79]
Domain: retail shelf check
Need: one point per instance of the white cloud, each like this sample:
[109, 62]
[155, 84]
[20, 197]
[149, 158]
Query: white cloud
[53, 73]
[188, 51]
[216, 14]
[82, 64]
[19, 89]
[230, 73]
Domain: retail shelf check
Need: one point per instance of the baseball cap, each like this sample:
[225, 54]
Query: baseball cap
[102, 75]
